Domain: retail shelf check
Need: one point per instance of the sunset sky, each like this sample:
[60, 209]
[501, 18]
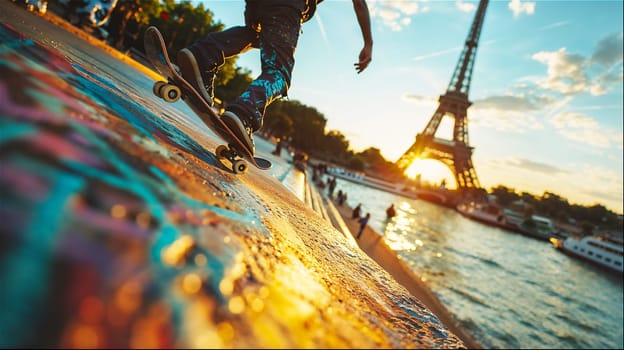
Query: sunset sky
[546, 88]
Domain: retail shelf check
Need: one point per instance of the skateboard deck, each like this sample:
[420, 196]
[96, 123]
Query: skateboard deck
[177, 87]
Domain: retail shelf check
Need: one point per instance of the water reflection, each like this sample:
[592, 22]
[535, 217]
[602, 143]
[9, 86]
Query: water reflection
[508, 290]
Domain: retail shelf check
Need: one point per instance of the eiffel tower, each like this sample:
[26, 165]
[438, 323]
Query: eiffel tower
[456, 153]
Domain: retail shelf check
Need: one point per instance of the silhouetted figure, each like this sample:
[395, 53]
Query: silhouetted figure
[300, 160]
[342, 197]
[390, 212]
[278, 147]
[363, 223]
[332, 186]
[356, 212]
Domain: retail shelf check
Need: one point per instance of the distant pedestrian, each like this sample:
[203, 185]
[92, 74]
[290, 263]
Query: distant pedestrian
[278, 147]
[363, 223]
[342, 197]
[356, 211]
[390, 212]
[332, 185]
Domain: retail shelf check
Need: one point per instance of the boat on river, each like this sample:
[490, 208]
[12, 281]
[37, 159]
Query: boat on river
[363, 179]
[486, 213]
[538, 227]
[600, 250]
[535, 226]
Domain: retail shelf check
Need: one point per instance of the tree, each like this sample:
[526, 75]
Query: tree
[373, 157]
[552, 205]
[587, 228]
[231, 82]
[281, 125]
[308, 125]
[356, 163]
[335, 145]
[378, 165]
[504, 196]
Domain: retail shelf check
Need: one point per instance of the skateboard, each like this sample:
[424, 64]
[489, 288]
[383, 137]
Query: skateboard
[176, 87]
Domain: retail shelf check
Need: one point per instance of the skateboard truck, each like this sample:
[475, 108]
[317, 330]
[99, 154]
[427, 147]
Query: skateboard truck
[239, 165]
[170, 92]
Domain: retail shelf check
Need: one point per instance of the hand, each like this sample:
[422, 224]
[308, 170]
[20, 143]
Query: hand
[365, 59]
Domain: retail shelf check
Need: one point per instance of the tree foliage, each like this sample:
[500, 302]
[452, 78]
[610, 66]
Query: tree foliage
[231, 83]
[378, 165]
[183, 23]
[308, 131]
[554, 206]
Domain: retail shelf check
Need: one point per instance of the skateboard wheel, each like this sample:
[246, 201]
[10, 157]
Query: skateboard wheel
[239, 167]
[157, 86]
[170, 93]
[221, 151]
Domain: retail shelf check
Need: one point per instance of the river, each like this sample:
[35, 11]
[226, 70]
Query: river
[508, 290]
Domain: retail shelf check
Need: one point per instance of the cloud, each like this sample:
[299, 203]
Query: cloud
[596, 138]
[555, 25]
[573, 120]
[584, 129]
[530, 165]
[438, 53]
[608, 50]
[510, 113]
[465, 6]
[502, 113]
[572, 74]
[427, 101]
[505, 121]
[518, 7]
[565, 72]
[597, 184]
[512, 103]
[396, 14]
[606, 196]
[321, 27]
[535, 99]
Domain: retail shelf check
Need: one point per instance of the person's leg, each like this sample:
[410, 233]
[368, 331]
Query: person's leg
[200, 62]
[279, 33]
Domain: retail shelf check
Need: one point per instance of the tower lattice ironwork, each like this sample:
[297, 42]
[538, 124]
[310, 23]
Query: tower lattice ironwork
[455, 153]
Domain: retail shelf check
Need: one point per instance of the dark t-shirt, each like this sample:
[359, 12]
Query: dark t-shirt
[307, 8]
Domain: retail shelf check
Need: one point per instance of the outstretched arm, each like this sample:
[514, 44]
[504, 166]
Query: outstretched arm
[363, 17]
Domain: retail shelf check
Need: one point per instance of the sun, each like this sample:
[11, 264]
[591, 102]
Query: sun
[431, 171]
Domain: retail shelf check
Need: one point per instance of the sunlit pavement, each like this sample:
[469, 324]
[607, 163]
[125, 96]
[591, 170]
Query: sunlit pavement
[120, 228]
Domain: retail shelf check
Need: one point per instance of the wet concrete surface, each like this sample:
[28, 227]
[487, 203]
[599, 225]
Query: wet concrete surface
[120, 228]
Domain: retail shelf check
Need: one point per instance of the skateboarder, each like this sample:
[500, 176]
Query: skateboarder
[273, 26]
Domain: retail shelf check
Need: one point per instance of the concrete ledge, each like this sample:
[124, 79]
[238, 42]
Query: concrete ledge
[338, 222]
[296, 182]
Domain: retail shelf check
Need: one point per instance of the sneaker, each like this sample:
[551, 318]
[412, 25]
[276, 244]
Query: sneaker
[240, 128]
[201, 80]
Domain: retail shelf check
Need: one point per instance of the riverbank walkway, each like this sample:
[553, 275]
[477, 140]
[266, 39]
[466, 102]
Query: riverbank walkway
[372, 243]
